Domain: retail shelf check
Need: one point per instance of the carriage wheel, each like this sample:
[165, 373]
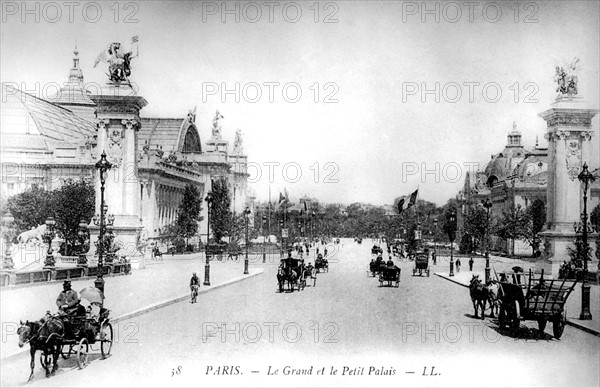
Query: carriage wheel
[106, 338]
[558, 325]
[542, 324]
[513, 315]
[502, 318]
[64, 354]
[83, 353]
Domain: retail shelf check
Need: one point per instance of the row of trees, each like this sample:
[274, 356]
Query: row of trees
[69, 204]
[510, 225]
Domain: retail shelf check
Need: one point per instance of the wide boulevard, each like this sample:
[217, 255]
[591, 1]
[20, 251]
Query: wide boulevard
[344, 331]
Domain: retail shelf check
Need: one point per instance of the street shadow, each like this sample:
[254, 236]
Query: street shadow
[523, 333]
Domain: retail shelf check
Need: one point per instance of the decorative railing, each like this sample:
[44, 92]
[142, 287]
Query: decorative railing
[17, 278]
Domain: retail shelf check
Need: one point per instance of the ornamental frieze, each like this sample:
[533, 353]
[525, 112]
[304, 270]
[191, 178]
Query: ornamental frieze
[118, 109]
[575, 121]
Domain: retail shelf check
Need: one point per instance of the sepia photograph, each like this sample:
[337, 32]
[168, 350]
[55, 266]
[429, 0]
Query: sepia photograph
[349, 193]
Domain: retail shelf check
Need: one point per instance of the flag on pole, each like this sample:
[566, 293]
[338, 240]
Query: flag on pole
[405, 203]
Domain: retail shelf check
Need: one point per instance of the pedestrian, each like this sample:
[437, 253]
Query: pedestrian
[471, 264]
[457, 264]
[434, 258]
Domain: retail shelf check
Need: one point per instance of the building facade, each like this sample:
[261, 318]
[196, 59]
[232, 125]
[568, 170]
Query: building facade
[46, 142]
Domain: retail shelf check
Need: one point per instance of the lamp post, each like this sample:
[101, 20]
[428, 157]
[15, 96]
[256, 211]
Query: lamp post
[209, 201]
[452, 236]
[246, 215]
[435, 225]
[281, 224]
[487, 204]
[103, 165]
[48, 237]
[264, 222]
[585, 177]
[83, 236]
[7, 221]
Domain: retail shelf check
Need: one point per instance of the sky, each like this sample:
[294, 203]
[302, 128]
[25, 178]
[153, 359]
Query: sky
[359, 101]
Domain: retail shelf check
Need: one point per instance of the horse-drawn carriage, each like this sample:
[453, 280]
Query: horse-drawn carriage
[376, 250]
[534, 298]
[293, 272]
[63, 335]
[375, 267]
[391, 275]
[421, 264]
[321, 264]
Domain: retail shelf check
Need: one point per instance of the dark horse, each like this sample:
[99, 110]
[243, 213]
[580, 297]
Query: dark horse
[45, 336]
[479, 295]
[287, 274]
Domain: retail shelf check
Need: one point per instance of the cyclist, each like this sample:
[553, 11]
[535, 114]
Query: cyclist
[194, 285]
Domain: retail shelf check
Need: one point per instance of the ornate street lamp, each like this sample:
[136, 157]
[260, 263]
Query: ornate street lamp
[282, 225]
[7, 221]
[48, 237]
[83, 238]
[435, 225]
[264, 222]
[585, 177]
[452, 236]
[103, 165]
[209, 200]
[487, 204]
[246, 216]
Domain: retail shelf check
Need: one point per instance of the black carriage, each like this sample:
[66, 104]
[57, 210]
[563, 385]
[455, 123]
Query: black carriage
[376, 250]
[391, 275]
[321, 264]
[291, 271]
[86, 331]
[527, 297]
[421, 264]
[375, 268]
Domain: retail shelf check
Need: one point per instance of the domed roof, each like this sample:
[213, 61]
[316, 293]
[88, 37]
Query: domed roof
[533, 165]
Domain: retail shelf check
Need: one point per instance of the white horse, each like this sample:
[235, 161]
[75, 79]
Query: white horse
[33, 234]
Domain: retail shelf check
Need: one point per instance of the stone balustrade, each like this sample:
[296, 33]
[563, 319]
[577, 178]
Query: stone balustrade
[20, 278]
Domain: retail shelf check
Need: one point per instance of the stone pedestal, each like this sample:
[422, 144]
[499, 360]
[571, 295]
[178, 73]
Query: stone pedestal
[118, 122]
[569, 138]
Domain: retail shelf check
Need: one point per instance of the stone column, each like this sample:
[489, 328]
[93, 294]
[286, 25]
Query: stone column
[118, 110]
[569, 135]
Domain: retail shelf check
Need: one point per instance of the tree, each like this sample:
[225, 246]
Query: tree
[512, 225]
[188, 215]
[536, 217]
[72, 202]
[476, 224]
[220, 215]
[30, 208]
[448, 226]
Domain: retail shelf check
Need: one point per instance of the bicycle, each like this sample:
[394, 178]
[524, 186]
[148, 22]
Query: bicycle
[194, 293]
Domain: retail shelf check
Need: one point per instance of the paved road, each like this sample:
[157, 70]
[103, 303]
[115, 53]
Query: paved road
[243, 334]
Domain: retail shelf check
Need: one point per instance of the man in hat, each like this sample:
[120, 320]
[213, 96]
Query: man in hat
[68, 306]
[68, 300]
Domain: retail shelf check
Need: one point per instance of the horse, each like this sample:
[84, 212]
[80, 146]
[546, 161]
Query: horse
[494, 297]
[45, 336]
[286, 274]
[479, 295]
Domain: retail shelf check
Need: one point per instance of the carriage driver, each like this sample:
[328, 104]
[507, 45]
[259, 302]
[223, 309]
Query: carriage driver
[68, 301]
